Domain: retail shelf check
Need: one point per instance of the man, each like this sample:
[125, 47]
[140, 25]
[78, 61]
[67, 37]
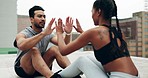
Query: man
[34, 59]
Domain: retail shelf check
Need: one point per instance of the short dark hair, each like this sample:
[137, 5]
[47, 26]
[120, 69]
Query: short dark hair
[34, 8]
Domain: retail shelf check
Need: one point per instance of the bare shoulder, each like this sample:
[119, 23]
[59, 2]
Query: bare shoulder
[92, 30]
[89, 32]
[97, 30]
[20, 35]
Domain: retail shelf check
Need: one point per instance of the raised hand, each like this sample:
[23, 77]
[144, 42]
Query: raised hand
[59, 26]
[48, 29]
[68, 25]
[78, 27]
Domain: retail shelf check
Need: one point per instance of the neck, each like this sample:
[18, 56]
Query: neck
[37, 29]
[104, 22]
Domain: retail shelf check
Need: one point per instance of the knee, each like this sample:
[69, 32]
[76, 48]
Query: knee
[53, 50]
[82, 59]
[34, 51]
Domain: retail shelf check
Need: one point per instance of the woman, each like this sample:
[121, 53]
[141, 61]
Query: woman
[109, 46]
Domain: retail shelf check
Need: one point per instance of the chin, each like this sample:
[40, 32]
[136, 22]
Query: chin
[42, 26]
[96, 24]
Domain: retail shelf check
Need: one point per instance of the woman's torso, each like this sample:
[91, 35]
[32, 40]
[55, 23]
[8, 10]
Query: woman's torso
[101, 38]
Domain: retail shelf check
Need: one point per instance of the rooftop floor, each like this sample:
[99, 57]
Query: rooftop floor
[7, 62]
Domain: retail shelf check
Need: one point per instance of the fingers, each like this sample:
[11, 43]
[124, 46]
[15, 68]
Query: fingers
[56, 24]
[74, 27]
[69, 20]
[51, 22]
[77, 22]
[59, 26]
[60, 22]
[53, 28]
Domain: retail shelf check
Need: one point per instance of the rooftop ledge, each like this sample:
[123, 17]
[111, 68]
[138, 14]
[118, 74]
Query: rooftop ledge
[7, 62]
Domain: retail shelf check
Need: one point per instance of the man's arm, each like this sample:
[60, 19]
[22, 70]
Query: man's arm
[24, 43]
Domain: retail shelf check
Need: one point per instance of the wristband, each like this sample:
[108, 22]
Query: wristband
[68, 34]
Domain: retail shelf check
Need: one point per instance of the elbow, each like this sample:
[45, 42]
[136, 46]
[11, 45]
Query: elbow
[21, 47]
[64, 53]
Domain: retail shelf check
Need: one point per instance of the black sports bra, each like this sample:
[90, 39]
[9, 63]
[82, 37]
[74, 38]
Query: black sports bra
[112, 51]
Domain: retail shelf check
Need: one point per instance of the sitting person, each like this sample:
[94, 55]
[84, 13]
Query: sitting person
[34, 58]
[110, 49]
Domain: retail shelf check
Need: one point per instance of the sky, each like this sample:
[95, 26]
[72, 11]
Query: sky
[80, 9]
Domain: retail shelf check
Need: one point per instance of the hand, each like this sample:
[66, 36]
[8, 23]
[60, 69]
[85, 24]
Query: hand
[59, 26]
[78, 28]
[48, 29]
[68, 25]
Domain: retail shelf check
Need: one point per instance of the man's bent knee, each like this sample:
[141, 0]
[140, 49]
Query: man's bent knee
[53, 50]
[34, 50]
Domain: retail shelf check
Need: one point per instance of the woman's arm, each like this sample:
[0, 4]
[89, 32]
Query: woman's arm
[81, 41]
[78, 27]
[68, 29]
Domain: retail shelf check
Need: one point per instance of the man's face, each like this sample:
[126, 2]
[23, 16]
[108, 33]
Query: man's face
[39, 19]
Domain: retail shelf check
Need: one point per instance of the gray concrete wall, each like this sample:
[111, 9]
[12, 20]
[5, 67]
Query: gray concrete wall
[8, 22]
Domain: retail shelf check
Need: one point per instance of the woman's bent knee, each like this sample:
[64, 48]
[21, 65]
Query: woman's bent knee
[82, 59]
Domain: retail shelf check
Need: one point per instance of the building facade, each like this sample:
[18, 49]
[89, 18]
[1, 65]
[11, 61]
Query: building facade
[142, 32]
[136, 33]
[23, 22]
[134, 28]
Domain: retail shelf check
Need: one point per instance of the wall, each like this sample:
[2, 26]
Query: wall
[8, 23]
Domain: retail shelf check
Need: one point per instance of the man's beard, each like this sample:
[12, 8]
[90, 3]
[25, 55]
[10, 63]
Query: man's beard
[38, 26]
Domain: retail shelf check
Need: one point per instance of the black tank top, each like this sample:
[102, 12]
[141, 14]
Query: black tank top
[112, 51]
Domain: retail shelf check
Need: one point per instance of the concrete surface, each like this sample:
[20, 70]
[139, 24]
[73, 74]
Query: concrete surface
[7, 62]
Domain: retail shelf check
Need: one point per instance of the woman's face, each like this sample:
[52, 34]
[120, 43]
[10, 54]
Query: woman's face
[95, 16]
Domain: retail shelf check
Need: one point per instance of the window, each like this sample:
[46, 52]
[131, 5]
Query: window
[128, 32]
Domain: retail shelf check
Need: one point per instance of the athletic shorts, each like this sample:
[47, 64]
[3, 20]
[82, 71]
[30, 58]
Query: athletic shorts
[20, 72]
